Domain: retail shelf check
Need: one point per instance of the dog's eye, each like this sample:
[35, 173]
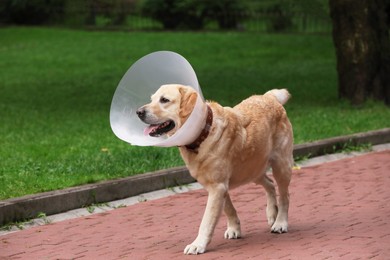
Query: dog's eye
[164, 100]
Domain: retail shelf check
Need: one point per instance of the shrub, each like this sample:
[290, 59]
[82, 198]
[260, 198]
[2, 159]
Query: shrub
[192, 14]
[228, 13]
[175, 14]
[280, 19]
[32, 12]
[97, 12]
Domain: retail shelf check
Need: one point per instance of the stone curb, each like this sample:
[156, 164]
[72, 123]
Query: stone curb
[332, 145]
[54, 202]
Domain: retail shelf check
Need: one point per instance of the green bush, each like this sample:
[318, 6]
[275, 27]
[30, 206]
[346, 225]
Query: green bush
[288, 15]
[280, 18]
[228, 13]
[175, 14]
[97, 12]
[74, 13]
[193, 14]
[31, 12]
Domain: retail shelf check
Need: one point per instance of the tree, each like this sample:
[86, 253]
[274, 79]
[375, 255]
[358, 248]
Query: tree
[361, 39]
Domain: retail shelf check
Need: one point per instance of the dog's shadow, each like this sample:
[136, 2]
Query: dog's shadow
[257, 240]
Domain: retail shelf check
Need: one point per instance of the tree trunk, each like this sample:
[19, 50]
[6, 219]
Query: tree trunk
[361, 39]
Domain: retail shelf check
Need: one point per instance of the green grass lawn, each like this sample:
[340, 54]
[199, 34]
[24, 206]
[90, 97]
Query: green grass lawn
[56, 87]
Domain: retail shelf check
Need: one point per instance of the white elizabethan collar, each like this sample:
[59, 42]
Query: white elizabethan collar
[134, 90]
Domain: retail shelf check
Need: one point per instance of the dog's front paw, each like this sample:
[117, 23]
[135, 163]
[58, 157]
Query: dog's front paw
[279, 227]
[232, 233]
[194, 249]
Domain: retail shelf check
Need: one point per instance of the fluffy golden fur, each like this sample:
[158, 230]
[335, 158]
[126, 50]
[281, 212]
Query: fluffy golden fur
[244, 141]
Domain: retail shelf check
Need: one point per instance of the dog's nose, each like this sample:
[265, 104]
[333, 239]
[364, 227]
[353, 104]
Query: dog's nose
[141, 112]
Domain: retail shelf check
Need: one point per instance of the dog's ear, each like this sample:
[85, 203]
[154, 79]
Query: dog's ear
[187, 102]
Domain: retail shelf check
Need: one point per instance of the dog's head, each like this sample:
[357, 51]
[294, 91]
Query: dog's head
[168, 110]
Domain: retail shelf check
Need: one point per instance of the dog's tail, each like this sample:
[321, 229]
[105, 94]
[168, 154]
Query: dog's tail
[282, 95]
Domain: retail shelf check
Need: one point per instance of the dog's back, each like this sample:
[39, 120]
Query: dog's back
[258, 109]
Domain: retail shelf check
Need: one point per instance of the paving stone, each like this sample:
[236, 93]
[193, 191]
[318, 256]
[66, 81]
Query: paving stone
[339, 210]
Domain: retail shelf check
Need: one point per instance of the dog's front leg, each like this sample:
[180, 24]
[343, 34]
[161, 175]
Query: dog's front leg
[215, 203]
[233, 230]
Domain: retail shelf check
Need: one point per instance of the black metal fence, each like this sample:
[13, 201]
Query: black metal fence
[128, 16]
[253, 22]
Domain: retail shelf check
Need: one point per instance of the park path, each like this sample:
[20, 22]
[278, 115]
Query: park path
[339, 210]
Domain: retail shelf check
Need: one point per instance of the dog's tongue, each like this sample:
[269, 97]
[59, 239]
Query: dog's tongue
[149, 129]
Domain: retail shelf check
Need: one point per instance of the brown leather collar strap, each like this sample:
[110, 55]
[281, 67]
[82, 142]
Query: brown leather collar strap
[205, 132]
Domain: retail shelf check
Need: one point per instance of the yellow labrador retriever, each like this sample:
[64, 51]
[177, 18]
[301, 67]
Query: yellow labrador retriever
[235, 147]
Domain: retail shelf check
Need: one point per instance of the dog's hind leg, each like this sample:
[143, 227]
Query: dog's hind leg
[233, 226]
[272, 207]
[281, 169]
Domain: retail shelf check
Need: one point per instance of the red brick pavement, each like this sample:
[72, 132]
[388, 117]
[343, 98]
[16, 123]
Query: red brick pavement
[339, 210]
